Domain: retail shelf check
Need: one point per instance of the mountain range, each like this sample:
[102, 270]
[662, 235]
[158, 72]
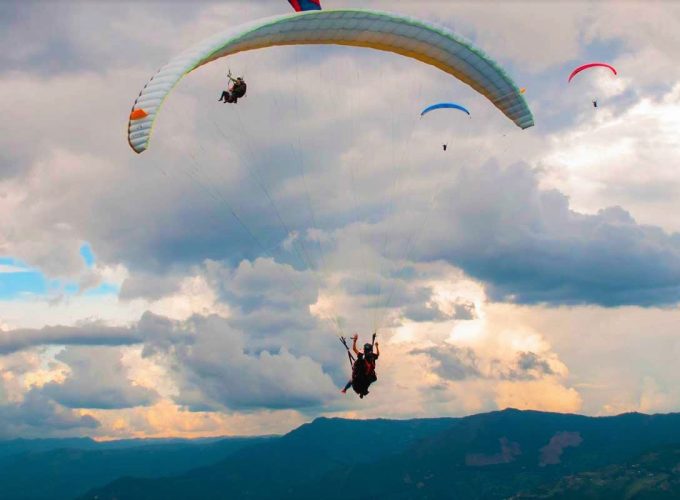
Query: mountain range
[503, 454]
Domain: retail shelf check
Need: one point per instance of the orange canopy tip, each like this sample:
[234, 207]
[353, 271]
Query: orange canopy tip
[138, 114]
[522, 90]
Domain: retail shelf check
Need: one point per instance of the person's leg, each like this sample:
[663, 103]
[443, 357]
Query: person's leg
[224, 95]
[347, 386]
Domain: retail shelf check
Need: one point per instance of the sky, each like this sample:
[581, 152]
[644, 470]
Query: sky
[199, 289]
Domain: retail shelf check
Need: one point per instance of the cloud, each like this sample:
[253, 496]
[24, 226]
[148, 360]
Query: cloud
[425, 312]
[96, 380]
[529, 247]
[542, 395]
[92, 333]
[148, 286]
[625, 156]
[453, 363]
[11, 269]
[529, 367]
[459, 363]
[210, 360]
[216, 367]
[38, 416]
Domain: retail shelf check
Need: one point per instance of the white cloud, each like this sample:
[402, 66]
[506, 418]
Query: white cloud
[9, 269]
[628, 159]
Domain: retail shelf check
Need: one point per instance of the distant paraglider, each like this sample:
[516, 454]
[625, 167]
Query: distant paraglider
[445, 105]
[588, 66]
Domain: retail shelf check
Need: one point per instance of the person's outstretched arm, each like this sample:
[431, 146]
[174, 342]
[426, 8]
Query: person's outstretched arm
[354, 344]
[377, 350]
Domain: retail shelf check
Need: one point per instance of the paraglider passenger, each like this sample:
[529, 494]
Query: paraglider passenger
[594, 103]
[444, 147]
[237, 89]
[355, 367]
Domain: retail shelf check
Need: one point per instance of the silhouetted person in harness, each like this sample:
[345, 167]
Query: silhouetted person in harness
[363, 369]
[235, 91]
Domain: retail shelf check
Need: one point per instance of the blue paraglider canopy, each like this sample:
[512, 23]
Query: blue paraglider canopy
[445, 105]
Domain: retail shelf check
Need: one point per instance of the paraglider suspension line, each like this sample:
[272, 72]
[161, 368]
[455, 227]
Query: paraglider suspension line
[349, 353]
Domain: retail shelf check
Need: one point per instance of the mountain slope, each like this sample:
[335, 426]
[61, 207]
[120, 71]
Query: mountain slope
[491, 455]
[652, 475]
[41, 470]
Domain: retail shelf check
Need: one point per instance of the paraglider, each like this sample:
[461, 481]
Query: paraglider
[403, 35]
[444, 105]
[588, 66]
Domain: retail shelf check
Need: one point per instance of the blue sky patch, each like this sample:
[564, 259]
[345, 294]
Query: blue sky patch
[18, 280]
[87, 254]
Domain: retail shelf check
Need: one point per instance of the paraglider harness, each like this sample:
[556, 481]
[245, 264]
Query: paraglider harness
[363, 370]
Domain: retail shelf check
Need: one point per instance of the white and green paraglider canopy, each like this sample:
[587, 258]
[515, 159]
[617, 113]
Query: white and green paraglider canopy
[399, 34]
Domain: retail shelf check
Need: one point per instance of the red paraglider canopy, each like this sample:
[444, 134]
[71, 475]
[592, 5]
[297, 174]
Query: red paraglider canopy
[591, 65]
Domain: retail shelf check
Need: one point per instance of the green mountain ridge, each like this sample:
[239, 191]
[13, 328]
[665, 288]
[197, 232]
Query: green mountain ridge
[492, 455]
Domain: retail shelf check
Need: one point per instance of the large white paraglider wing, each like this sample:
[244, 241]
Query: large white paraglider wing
[403, 35]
